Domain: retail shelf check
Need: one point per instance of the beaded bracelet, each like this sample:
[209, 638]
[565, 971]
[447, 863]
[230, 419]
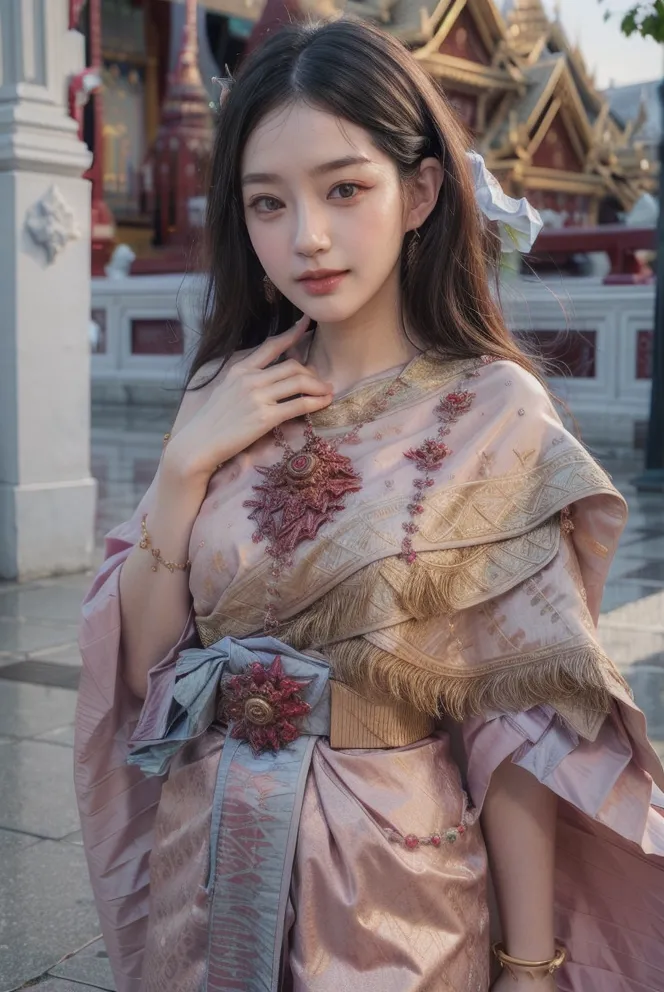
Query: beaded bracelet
[450, 834]
[146, 544]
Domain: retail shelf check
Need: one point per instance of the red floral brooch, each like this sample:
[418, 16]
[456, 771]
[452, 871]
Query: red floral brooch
[262, 703]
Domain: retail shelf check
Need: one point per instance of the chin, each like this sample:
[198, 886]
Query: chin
[329, 310]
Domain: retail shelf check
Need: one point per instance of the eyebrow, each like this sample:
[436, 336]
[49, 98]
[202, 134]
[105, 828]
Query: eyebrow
[319, 170]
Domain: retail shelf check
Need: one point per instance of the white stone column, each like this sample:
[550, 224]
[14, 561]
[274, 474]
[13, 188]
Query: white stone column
[47, 496]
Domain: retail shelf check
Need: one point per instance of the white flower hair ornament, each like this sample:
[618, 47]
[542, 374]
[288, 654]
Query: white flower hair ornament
[225, 84]
[518, 222]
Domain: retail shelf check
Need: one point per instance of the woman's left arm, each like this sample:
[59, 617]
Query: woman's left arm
[519, 825]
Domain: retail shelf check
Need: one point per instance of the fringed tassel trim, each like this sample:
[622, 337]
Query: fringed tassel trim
[429, 592]
[322, 622]
[446, 581]
[583, 675]
[436, 584]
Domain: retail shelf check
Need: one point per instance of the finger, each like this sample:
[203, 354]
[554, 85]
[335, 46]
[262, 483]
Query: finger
[270, 350]
[298, 407]
[306, 385]
[281, 370]
[285, 370]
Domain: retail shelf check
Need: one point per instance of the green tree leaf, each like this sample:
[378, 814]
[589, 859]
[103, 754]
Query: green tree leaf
[628, 24]
[645, 19]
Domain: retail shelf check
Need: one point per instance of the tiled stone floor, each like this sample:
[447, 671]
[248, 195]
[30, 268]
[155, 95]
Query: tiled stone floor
[48, 924]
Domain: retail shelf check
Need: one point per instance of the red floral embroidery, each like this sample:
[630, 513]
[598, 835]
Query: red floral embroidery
[430, 456]
[263, 703]
[454, 405]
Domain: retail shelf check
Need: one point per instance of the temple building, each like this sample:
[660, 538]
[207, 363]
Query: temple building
[515, 78]
[537, 117]
[638, 105]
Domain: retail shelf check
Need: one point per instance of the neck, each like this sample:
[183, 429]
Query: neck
[369, 342]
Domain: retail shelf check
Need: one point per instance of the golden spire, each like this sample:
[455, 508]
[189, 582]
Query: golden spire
[187, 70]
[527, 21]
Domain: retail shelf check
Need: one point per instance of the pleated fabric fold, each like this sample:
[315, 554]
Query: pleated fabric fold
[610, 837]
[117, 804]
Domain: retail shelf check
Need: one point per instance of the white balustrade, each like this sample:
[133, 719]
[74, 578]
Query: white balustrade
[146, 329]
[607, 329]
[603, 334]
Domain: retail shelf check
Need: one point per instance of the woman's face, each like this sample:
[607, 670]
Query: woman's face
[324, 210]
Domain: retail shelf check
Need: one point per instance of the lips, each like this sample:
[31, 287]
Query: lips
[313, 275]
[320, 282]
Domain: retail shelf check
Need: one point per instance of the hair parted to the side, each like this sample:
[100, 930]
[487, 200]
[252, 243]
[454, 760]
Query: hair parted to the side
[358, 73]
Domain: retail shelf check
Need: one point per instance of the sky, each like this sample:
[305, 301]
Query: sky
[614, 57]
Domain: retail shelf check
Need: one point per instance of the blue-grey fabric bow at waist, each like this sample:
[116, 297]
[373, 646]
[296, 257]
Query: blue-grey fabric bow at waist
[256, 806]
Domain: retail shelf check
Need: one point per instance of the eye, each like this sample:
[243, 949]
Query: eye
[265, 204]
[346, 191]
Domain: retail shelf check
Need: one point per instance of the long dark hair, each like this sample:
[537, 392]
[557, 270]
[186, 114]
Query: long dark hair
[357, 72]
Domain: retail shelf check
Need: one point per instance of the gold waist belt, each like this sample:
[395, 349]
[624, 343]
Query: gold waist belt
[359, 722]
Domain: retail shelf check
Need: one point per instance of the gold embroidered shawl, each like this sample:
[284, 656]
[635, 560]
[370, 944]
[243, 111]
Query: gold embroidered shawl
[513, 544]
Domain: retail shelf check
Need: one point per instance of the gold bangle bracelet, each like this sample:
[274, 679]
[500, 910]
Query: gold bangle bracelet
[146, 545]
[508, 962]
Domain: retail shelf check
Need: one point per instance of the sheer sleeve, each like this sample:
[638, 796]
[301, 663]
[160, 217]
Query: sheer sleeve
[117, 805]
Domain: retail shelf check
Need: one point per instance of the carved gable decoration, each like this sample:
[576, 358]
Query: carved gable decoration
[557, 151]
[464, 40]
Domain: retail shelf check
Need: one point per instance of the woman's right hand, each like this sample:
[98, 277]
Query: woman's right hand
[251, 400]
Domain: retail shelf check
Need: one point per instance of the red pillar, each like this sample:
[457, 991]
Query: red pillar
[103, 225]
[184, 140]
[75, 7]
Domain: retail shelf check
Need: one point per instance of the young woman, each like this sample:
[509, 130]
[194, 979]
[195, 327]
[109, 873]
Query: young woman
[349, 635]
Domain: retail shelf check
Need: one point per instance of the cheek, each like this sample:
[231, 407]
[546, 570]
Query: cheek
[380, 221]
[377, 240]
[268, 241]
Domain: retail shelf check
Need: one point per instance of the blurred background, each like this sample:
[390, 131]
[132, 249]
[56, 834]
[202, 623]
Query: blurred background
[107, 116]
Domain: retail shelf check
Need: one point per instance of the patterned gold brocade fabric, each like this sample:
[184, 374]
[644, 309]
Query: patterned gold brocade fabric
[359, 722]
[495, 586]
[421, 376]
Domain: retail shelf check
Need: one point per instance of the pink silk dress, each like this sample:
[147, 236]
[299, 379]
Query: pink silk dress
[461, 585]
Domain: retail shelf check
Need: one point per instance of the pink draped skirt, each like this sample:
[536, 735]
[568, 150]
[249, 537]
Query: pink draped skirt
[366, 912]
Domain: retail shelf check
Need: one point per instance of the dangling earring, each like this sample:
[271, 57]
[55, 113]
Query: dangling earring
[411, 250]
[269, 289]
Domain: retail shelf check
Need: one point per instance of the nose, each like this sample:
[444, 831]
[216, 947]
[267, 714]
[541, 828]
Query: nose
[311, 233]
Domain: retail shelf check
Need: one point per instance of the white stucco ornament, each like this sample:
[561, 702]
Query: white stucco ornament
[120, 264]
[52, 224]
[518, 222]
